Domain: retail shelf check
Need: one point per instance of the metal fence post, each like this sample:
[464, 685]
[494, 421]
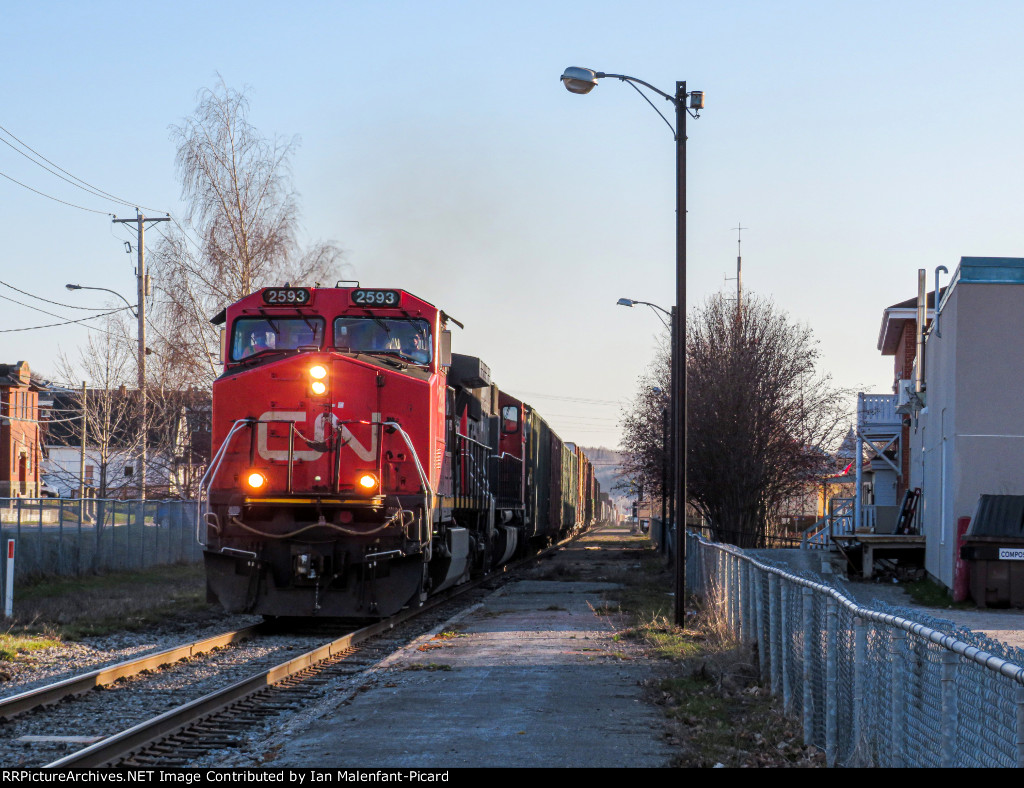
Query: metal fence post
[860, 633]
[774, 633]
[735, 583]
[807, 596]
[733, 595]
[723, 583]
[831, 683]
[785, 636]
[720, 583]
[762, 640]
[897, 656]
[950, 661]
[745, 602]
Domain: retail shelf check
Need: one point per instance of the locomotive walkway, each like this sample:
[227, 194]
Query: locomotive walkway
[530, 677]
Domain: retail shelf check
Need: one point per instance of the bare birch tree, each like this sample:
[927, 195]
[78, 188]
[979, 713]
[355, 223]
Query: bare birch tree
[239, 234]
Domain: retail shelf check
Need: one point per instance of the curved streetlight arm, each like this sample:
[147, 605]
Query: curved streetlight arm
[631, 302]
[105, 290]
[583, 80]
[625, 78]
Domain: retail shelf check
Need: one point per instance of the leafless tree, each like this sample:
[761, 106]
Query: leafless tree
[107, 365]
[239, 234]
[643, 422]
[763, 420]
[177, 432]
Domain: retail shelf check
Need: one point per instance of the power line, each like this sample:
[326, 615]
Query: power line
[573, 399]
[91, 191]
[90, 188]
[55, 199]
[48, 301]
[66, 323]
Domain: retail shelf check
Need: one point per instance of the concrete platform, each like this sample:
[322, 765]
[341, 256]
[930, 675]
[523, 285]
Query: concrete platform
[531, 677]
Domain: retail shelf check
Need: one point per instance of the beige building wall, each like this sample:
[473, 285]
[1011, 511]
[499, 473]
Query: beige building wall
[969, 440]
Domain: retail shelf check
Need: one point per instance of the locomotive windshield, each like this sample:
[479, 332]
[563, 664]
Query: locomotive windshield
[408, 339]
[252, 335]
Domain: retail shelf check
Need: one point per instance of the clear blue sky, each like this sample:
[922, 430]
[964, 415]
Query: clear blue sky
[856, 141]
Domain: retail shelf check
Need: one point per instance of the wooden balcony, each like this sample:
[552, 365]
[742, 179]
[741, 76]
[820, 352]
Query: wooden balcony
[876, 414]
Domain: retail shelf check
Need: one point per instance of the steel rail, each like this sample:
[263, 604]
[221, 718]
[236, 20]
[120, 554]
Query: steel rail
[115, 747]
[77, 685]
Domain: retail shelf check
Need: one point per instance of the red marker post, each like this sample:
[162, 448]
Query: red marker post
[9, 591]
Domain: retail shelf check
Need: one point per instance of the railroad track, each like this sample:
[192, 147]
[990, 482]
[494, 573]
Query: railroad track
[214, 720]
[218, 719]
[77, 685]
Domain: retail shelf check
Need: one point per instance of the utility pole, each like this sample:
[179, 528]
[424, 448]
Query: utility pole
[143, 291]
[81, 458]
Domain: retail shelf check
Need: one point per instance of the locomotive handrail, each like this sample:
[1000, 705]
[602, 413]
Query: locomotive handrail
[211, 473]
[470, 462]
[430, 494]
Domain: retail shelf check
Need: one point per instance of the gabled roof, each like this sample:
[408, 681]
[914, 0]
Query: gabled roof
[895, 317]
[972, 270]
[17, 375]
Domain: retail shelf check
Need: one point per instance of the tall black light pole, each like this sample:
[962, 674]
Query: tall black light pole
[583, 80]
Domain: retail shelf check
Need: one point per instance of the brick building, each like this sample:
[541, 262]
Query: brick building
[897, 337]
[20, 447]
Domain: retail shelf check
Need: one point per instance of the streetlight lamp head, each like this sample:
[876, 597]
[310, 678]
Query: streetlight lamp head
[73, 287]
[579, 80]
[625, 302]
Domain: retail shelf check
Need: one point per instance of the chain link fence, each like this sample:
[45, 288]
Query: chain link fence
[59, 536]
[884, 687]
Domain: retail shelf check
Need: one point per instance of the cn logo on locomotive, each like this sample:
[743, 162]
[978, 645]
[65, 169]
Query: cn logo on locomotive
[319, 433]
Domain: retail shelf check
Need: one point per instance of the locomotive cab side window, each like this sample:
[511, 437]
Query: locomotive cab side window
[407, 339]
[510, 419]
[253, 335]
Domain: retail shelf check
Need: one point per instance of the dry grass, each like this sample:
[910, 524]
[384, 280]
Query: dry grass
[96, 604]
[716, 709]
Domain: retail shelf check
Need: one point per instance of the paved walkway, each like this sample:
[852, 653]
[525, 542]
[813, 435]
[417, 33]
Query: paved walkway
[531, 677]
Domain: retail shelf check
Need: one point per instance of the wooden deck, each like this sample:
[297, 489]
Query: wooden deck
[877, 546]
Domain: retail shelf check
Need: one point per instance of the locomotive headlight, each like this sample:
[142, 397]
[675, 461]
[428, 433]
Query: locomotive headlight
[368, 482]
[317, 372]
[256, 480]
[319, 387]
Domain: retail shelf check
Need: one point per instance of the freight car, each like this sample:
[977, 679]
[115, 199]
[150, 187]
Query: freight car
[359, 465]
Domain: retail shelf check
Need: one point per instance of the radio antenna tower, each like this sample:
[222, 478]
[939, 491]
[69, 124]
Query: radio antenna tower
[739, 228]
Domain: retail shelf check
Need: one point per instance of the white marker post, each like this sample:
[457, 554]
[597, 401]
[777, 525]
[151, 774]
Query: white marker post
[9, 591]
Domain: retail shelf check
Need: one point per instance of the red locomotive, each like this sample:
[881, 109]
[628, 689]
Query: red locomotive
[360, 465]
